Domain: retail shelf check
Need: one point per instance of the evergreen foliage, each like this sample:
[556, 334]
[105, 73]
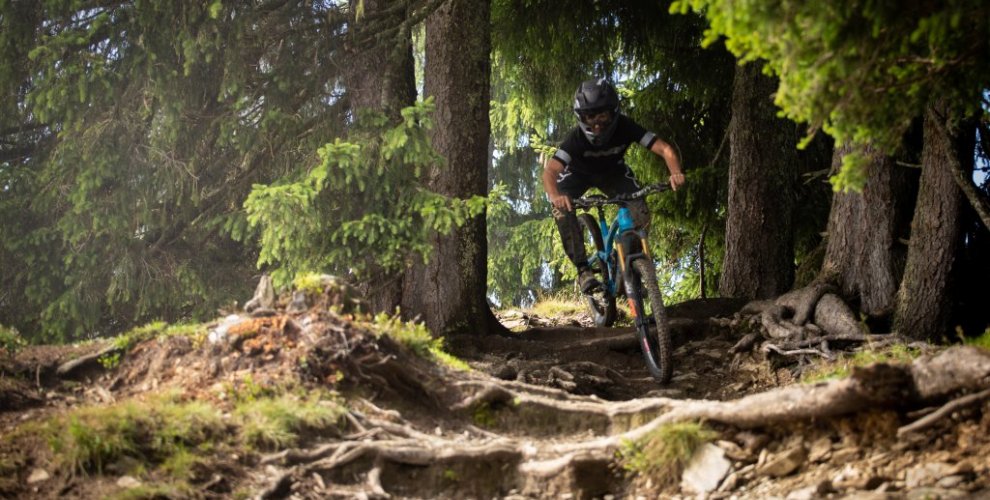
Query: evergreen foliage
[131, 133]
[364, 204]
[861, 71]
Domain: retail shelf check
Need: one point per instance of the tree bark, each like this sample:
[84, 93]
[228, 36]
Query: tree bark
[759, 248]
[924, 299]
[864, 256]
[380, 77]
[448, 291]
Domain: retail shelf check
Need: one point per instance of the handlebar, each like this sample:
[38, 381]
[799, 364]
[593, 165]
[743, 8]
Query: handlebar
[600, 200]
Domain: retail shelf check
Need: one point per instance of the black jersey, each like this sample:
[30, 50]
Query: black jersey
[579, 155]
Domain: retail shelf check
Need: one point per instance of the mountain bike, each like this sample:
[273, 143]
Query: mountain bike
[621, 260]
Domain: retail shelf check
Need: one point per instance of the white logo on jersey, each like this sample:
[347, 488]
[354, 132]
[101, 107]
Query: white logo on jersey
[618, 150]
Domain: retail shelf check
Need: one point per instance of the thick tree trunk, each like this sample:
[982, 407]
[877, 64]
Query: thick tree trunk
[924, 299]
[448, 292]
[759, 235]
[380, 77]
[864, 256]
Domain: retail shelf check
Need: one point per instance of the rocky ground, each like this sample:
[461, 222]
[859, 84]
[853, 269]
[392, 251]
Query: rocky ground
[550, 410]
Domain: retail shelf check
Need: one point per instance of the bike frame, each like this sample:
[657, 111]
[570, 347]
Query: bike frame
[617, 253]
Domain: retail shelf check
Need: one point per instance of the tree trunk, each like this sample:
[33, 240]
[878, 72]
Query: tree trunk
[759, 235]
[448, 291]
[380, 77]
[924, 299]
[864, 256]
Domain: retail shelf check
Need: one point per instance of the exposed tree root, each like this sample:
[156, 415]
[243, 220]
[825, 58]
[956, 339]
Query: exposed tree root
[527, 459]
[945, 411]
[807, 322]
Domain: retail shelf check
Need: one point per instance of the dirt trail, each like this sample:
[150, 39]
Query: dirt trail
[542, 414]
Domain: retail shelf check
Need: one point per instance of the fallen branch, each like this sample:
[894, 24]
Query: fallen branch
[70, 368]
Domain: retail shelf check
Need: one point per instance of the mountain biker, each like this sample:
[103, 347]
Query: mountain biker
[592, 156]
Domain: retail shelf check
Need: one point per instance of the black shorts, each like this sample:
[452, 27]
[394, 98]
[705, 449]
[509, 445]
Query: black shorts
[619, 180]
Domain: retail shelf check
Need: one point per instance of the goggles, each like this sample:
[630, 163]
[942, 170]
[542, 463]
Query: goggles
[596, 118]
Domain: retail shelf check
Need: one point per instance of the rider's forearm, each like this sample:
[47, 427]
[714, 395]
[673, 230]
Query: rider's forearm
[666, 151]
[550, 174]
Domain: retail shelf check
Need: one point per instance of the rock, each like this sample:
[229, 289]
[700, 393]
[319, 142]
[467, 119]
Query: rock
[871, 495]
[950, 481]
[128, 482]
[264, 295]
[814, 491]
[846, 476]
[735, 452]
[38, 475]
[706, 469]
[855, 478]
[845, 455]
[821, 450]
[784, 463]
[730, 483]
[218, 335]
[927, 474]
[935, 494]
[299, 303]
[752, 441]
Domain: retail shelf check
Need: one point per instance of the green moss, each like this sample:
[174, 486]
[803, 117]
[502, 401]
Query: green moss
[160, 329]
[450, 475]
[842, 367]
[310, 283]
[663, 453]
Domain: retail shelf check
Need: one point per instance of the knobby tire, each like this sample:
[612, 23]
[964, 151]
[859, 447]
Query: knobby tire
[654, 339]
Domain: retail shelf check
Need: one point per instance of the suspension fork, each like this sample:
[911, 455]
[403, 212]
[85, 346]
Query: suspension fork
[628, 234]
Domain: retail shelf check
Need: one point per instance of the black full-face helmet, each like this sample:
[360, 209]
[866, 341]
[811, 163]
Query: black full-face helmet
[596, 104]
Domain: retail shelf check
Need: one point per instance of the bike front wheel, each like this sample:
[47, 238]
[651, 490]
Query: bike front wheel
[653, 336]
[601, 303]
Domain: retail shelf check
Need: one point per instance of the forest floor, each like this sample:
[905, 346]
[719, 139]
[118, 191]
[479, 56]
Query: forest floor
[310, 402]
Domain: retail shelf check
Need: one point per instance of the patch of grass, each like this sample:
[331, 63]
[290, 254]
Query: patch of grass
[90, 438]
[483, 415]
[246, 390]
[982, 341]
[180, 465]
[561, 304]
[11, 462]
[196, 332]
[10, 341]
[842, 367]
[156, 491]
[273, 423]
[663, 453]
[418, 339]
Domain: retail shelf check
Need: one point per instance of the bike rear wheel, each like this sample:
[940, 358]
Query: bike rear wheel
[653, 336]
[601, 303]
